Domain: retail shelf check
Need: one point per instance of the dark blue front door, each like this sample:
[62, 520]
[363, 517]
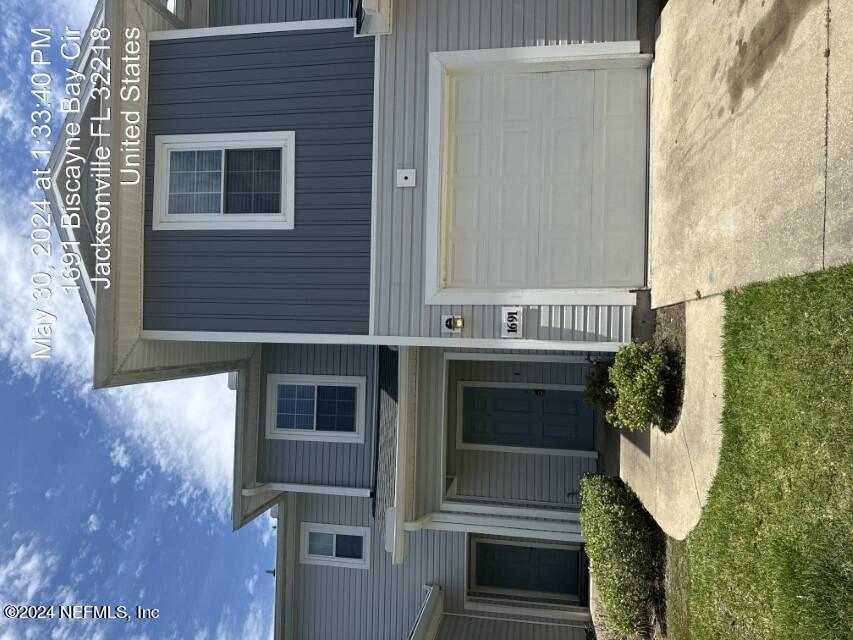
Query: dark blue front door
[529, 417]
[528, 568]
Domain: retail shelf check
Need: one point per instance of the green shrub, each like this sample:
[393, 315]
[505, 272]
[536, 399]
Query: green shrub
[599, 392]
[637, 379]
[624, 546]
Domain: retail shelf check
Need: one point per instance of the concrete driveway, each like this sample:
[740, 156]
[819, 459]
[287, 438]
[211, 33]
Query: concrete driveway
[751, 143]
[751, 179]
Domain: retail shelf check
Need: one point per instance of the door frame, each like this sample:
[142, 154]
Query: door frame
[443, 65]
[569, 611]
[521, 594]
[461, 444]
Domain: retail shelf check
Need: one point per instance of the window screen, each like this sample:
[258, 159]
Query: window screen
[335, 408]
[296, 403]
[321, 544]
[349, 546]
[195, 182]
[253, 181]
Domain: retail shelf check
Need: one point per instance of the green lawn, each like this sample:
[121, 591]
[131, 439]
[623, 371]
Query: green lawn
[772, 557]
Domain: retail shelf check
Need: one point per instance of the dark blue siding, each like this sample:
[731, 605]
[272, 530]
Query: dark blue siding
[328, 463]
[229, 12]
[316, 277]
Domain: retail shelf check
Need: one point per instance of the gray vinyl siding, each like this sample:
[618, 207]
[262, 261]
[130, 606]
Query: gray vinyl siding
[383, 602]
[518, 476]
[422, 26]
[231, 12]
[514, 476]
[314, 278]
[324, 463]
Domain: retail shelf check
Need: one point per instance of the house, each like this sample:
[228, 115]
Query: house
[409, 232]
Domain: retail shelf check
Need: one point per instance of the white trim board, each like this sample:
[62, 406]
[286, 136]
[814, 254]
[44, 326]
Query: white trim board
[245, 29]
[374, 193]
[458, 505]
[404, 341]
[498, 526]
[443, 65]
[514, 357]
[614, 296]
[323, 489]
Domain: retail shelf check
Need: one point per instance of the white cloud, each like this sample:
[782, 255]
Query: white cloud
[184, 428]
[251, 583]
[27, 572]
[118, 455]
[93, 523]
[257, 626]
[142, 478]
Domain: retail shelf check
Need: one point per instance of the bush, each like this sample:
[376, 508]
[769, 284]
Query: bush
[637, 387]
[625, 549]
[599, 392]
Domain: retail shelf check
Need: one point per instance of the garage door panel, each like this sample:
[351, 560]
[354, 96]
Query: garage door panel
[571, 92]
[466, 204]
[559, 159]
[468, 101]
[569, 151]
[466, 159]
[464, 261]
[516, 153]
[514, 200]
[516, 92]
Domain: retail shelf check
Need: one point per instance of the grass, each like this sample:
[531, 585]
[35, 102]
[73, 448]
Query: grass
[677, 588]
[772, 557]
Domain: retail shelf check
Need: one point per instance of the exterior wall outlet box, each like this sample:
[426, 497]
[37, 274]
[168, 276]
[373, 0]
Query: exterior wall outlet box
[512, 322]
[406, 177]
[452, 324]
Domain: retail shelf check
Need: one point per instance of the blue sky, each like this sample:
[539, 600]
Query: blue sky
[115, 496]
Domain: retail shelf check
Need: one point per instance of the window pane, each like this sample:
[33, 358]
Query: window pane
[253, 181]
[295, 406]
[195, 180]
[335, 408]
[349, 547]
[321, 544]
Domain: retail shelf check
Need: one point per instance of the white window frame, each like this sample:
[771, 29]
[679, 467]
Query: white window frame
[331, 561]
[442, 67]
[163, 146]
[274, 433]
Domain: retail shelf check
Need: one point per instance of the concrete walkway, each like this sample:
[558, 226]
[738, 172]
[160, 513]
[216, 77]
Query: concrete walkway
[672, 473]
[751, 143]
[751, 157]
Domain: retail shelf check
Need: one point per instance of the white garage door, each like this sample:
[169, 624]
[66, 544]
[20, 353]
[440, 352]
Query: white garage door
[546, 176]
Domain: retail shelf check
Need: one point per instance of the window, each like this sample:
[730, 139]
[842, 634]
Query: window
[335, 545]
[224, 181]
[321, 408]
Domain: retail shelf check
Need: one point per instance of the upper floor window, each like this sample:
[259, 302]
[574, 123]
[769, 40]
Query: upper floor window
[335, 545]
[224, 181]
[311, 407]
